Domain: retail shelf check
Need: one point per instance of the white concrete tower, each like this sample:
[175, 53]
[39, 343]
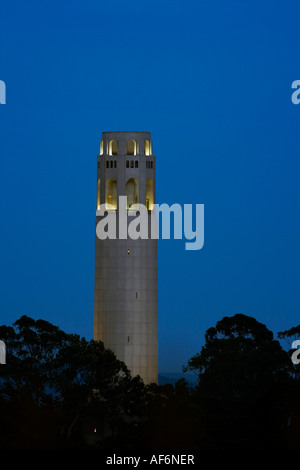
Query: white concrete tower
[125, 316]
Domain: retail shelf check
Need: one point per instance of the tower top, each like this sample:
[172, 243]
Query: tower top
[126, 143]
[126, 132]
[125, 135]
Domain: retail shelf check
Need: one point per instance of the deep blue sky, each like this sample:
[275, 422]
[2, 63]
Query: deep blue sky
[211, 80]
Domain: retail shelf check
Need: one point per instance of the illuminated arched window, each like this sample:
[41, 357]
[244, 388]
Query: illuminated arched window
[147, 147]
[131, 147]
[98, 194]
[111, 192]
[149, 194]
[132, 192]
[101, 147]
[113, 147]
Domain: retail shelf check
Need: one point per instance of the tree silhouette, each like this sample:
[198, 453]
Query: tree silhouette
[242, 374]
[59, 390]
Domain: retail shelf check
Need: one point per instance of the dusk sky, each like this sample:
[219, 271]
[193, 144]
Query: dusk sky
[211, 80]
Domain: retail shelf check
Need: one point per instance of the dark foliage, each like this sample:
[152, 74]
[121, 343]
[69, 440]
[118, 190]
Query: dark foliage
[244, 377]
[59, 391]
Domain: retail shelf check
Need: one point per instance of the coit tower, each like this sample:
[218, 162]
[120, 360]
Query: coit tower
[125, 310]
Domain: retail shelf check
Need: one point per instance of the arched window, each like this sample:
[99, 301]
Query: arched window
[149, 194]
[113, 147]
[101, 147]
[136, 164]
[147, 147]
[132, 192]
[111, 192]
[131, 147]
[98, 194]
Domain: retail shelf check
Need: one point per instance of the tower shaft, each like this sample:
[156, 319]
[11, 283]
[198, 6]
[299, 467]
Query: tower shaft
[125, 311]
